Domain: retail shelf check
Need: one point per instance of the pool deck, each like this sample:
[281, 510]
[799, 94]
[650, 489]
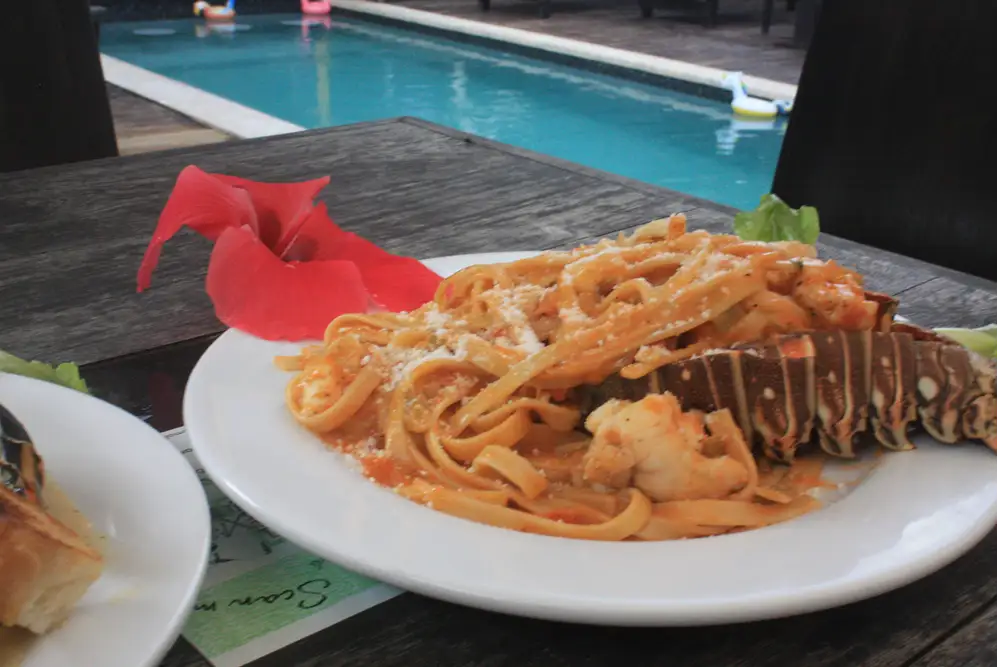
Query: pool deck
[734, 43]
[143, 126]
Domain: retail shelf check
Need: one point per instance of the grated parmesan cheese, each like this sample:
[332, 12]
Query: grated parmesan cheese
[402, 361]
[604, 252]
[352, 462]
[435, 319]
[526, 340]
[369, 447]
[572, 314]
[462, 348]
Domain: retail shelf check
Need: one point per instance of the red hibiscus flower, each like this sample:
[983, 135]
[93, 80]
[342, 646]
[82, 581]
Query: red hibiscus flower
[281, 269]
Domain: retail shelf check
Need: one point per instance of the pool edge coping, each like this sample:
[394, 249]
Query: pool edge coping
[244, 122]
[207, 108]
[657, 66]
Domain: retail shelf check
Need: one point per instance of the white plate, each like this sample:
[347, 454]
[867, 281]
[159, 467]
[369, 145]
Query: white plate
[916, 512]
[140, 493]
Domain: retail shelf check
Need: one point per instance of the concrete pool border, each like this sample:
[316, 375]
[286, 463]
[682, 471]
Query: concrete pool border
[677, 74]
[207, 108]
[244, 122]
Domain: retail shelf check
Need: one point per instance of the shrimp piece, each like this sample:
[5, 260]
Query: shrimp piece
[834, 297]
[656, 447]
[766, 313]
[755, 318]
[781, 312]
[608, 465]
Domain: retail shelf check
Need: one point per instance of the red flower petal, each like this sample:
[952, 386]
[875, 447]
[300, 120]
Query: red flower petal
[399, 283]
[281, 269]
[394, 282]
[281, 207]
[256, 292]
[201, 202]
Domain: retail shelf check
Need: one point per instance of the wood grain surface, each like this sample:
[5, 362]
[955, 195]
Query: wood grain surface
[889, 630]
[70, 242]
[973, 645]
[71, 238]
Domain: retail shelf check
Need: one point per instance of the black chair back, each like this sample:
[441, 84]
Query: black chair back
[891, 133]
[54, 105]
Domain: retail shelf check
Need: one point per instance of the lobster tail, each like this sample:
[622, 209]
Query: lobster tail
[886, 314]
[834, 385]
[841, 388]
[780, 412]
[21, 468]
[892, 397]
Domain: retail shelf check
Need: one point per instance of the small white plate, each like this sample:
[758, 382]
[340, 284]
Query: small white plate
[138, 492]
[914, 513]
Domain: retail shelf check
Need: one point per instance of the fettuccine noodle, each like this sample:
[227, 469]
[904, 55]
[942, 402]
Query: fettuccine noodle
[467, 404]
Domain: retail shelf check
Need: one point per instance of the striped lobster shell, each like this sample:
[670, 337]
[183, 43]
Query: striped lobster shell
[836, 385]
[21, 469]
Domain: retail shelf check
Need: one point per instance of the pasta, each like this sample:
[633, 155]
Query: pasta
[467, 404]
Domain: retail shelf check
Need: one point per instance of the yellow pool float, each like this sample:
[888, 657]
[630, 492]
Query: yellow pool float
[752, 107]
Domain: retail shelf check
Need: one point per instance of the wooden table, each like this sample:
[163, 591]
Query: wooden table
[71, 238]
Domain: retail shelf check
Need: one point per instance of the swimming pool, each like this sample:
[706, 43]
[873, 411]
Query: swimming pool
[348, 70]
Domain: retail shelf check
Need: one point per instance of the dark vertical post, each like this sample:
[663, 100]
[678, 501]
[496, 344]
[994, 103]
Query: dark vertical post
[806, 12]
[767, 12]
[96, 14]
[53, 101]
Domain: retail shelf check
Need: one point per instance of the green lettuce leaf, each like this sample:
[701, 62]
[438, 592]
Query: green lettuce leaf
[774, 220]
[67, 375]
[982, 340]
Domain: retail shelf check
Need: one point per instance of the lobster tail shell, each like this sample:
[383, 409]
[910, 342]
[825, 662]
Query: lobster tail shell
[21, 468]
[780, 412]
[835, 385]
[886, 313]
[893, 389]
[841, 387]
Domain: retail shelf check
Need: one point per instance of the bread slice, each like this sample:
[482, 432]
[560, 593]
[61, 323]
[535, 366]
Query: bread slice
[45, 567]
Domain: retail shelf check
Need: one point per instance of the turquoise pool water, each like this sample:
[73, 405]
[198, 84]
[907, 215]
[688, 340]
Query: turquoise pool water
[346, 71]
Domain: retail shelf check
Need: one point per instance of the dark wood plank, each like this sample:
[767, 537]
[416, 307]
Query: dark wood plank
[142, 126]
[72, 237]
[974, 645]
[883, 272]
[182, 654]
[148, 384]
[412, 631]
[136, 115]
[930, 295]
[947, 302]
